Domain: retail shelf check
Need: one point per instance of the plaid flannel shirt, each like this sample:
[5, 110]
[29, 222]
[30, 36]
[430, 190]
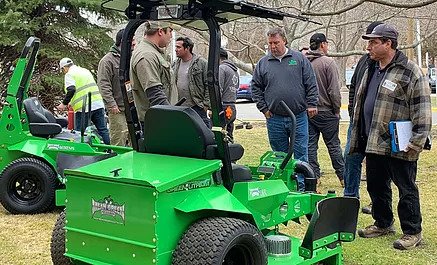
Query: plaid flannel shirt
[409, 100]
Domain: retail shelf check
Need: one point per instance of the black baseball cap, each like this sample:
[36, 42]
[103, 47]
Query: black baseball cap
[382, 31]
[318, 38]
[223, 53]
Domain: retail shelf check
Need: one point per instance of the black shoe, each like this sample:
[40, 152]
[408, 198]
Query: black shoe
[367, 209]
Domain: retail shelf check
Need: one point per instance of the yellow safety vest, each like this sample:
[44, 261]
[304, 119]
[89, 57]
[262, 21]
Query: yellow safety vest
[85, 83]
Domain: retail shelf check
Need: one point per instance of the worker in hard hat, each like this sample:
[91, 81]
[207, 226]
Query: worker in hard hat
[78, 82]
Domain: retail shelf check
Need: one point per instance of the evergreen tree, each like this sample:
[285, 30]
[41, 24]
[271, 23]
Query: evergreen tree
[67, 28]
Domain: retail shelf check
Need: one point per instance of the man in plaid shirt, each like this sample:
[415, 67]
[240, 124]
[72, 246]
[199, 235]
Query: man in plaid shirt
[393, 88]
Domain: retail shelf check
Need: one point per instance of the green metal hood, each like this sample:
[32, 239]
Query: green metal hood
[159, 171]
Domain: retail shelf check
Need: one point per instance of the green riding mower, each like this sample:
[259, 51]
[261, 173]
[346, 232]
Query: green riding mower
[35, 147]
[178, 197]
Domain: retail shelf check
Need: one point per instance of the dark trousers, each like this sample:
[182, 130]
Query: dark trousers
[230, 121]
[327, 124]
[202, 113]
[98, 119]
[380, 171]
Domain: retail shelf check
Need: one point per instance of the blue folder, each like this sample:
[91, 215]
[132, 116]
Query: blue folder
[399, 137]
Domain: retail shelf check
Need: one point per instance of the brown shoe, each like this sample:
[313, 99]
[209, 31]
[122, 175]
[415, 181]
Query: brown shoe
[342, 183]
[374, 231]
[407, 242]
[367, 209]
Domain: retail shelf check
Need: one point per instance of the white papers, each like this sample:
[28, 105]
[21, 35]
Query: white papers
[404, 133]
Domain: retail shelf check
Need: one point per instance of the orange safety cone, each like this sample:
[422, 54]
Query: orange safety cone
[70, 118]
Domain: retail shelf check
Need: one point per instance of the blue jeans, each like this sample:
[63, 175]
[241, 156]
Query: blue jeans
[98, 119]
[279, 128]
[352, 169]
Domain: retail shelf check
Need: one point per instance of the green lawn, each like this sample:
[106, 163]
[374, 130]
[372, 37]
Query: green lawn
[26, 239]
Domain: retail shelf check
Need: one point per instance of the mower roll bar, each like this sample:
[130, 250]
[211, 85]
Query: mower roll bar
[32, 47]
[126, 52]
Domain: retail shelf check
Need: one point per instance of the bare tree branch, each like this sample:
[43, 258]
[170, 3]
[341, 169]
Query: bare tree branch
[401, 47]
[381, 2]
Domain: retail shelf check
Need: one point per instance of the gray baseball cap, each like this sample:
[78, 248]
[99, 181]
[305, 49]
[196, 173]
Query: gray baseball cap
[382, 31]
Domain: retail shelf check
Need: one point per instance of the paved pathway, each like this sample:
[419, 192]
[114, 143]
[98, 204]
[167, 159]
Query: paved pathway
[248, 111]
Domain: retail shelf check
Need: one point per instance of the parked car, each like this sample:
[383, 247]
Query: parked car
[245, 91]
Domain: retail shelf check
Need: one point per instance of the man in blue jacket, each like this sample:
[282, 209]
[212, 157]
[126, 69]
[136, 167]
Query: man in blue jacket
[284, 74]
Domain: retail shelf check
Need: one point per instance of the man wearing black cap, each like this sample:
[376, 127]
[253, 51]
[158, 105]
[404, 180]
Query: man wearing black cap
[109, 86]
[327, 120]
[353, 162]
[393, 88]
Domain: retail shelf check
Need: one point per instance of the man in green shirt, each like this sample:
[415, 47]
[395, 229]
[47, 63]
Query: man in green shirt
[150, 71]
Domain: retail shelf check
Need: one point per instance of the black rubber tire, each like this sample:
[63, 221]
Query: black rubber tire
[57, 245]
[27, 186]
[219, 240]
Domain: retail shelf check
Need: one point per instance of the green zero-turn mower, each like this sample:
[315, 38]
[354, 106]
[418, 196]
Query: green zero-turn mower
[178, 198]
[35, 147]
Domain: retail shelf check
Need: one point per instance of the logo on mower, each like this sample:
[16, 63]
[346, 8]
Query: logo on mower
[257, 192]
[107, 210]
[197, 184]
[58, 147]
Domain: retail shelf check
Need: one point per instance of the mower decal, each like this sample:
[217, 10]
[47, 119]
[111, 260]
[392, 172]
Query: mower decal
[257, 192]
[58, 147]
[191, 185]
[107, 210]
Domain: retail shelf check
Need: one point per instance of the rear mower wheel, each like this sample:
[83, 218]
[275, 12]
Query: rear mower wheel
[27, 186]
[57, 245]
[219, 240]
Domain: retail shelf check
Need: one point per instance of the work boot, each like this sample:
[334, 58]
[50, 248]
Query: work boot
[367, 209]
[374, 231]
[407, 242]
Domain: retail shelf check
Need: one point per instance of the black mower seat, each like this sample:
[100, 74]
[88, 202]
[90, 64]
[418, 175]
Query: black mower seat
[42, 123]
[179, 131]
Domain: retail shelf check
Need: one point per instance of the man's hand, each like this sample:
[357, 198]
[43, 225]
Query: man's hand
[268, 114]
[61, 107]
[410, 150]
[114, 110]
[312, 111]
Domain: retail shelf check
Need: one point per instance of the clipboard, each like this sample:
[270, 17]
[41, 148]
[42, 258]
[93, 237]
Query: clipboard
[400, 132]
